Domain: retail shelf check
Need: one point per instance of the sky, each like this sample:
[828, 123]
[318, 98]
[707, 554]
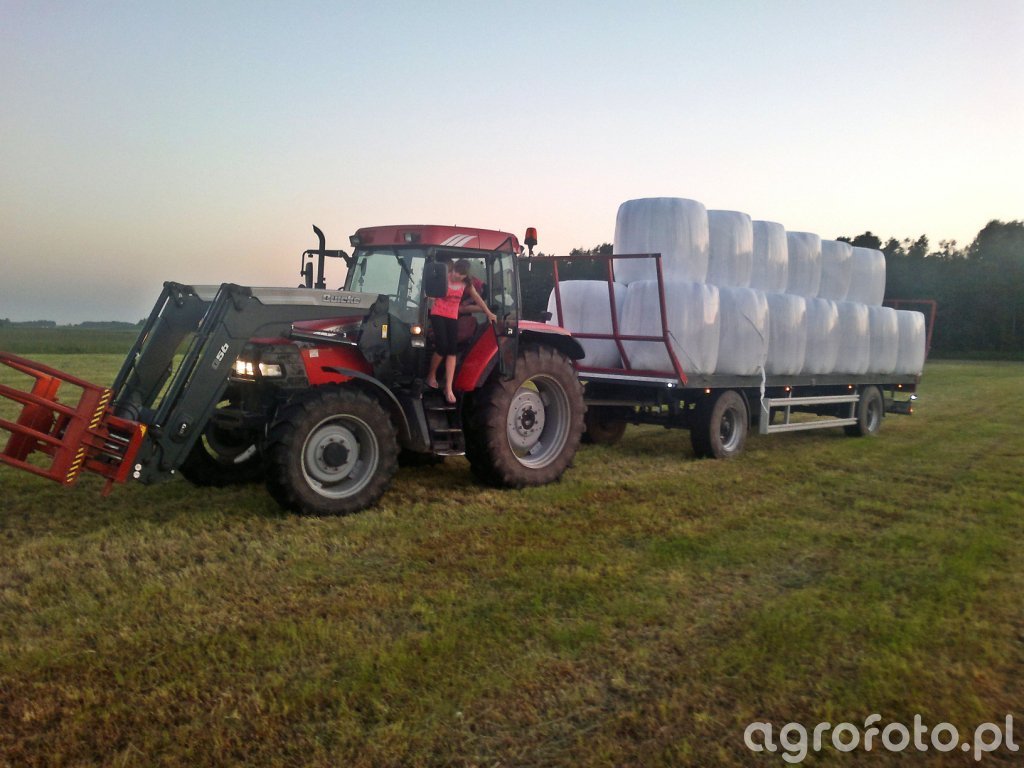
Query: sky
[199, 141]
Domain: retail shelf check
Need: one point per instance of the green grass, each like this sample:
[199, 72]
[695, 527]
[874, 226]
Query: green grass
[65, 340]
[641, 612]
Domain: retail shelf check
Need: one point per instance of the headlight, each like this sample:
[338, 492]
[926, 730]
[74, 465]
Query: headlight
[244, 368]
[248, 369]
[271, 370]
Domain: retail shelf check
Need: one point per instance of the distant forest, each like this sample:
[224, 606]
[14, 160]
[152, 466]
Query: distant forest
[979, 288]
[88, 325]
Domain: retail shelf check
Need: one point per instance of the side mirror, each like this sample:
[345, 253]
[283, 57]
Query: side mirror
[435, 280]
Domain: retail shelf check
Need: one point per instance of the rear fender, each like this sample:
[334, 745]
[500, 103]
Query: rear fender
[552, 336]
[483, 357]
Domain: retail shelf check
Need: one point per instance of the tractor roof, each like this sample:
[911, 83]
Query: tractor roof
[430, 234]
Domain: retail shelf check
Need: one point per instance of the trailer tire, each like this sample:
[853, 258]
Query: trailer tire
[720, 425]
[870, 410]
[333, 452]
[525, 431]
[223, 457]
[603, 426]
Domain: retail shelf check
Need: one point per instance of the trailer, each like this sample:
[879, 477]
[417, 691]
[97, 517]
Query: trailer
[321, 393]
[719, 410]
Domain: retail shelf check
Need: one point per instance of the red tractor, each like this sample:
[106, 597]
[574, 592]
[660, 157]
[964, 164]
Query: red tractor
[322, 392]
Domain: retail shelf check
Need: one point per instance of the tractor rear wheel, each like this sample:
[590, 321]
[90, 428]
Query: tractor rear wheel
[333, 452]
[525, 430]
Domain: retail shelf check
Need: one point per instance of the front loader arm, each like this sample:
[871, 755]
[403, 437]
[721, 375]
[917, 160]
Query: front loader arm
[233, 316]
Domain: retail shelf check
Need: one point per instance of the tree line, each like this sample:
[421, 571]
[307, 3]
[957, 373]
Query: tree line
[979, 289]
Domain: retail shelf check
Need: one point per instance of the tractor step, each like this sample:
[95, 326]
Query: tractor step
[444, 421]
[59, 439]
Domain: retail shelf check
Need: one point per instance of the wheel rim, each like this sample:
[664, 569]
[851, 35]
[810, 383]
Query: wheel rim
[340, 456]
[729, 432]
[538, 421]
[226, 448]
[873, 415]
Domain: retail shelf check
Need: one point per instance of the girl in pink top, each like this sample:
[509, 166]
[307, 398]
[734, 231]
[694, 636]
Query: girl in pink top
[444, 319]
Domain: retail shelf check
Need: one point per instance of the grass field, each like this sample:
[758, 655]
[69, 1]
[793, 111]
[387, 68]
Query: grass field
[641, 612]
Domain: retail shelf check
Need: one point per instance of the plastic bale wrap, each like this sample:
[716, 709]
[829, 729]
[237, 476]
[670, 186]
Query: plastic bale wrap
[822, 336]
[804, 263]
[743, 340]
[787, 333]
[692, 310]
[731, 249]
[867, 276]
[836, 266]
[672, 226]
[884, 330]
[912, 342]
[770, 268]
[854, 340]
[586, 309]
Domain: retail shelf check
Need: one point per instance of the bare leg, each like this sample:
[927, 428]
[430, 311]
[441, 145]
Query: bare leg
[432, 376]
[449, 378]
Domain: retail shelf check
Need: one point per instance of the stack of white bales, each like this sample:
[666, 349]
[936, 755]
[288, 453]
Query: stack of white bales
[743, 296]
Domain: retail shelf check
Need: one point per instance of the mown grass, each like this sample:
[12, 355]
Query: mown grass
[641, 612]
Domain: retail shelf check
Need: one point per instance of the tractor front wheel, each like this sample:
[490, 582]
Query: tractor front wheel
[223, 456]
[333, 452]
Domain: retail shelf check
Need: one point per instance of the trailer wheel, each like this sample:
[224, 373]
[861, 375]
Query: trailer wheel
[331, 453]
[870, 410]
[719, 429]
[525, 431]
[604, 426]
[223, 457]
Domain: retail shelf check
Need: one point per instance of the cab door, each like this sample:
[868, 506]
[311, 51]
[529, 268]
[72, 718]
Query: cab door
[503, 290]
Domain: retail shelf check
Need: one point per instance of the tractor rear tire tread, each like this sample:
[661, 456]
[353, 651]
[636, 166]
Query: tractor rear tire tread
[488, 448]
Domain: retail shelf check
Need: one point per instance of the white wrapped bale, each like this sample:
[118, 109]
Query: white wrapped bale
[787, 339]
[743, 340]
[672, 226]
[867, 276]
[884, 331]
[836, 266]
[731, 249]
[804, 263]
[586, 309]
[693, 321]
[822, 336]
[854, 342]
[912, 342]
[770, 269]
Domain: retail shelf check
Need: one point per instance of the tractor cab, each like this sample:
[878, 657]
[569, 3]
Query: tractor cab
[405, 265]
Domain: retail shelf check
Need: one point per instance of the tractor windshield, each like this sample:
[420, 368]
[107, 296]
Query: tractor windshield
[395, 272]
[398, 274]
